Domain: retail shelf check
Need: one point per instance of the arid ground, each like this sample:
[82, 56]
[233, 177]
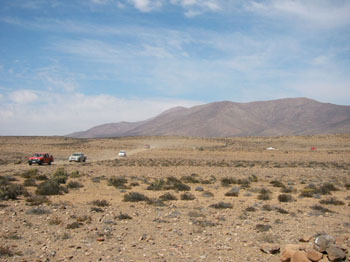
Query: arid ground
[182, 199]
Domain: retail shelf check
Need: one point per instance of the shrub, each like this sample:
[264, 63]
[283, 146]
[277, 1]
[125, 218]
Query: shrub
[221, 205]
[167, 197]
[227, 181]
[253, 178]
[267, 207]
[308, 192]
[135, 197]
[187, 196]
[101, 203]
[97, 209]
[156, 185]
[211, 180]
[38, 211]
[207, 194]
[122, 216]
[190, 179]
[75, 174]
[48, 187]
[55, 221]
[233, 192]
[11, 191]
[277, 183]
[60, 176]
[245, 183]
[32, 173]
[288, 189]
[264, 194]
[250, 209]
[5, 252]
[176, 184]
[281, 210]
[118, 182]
[74, 184]
[73, 225]
[326, 189]
[332, 201]
[37, 200]
[29, 182]
[347, 186]
[321, 209]
[285, 198]
[262, 227]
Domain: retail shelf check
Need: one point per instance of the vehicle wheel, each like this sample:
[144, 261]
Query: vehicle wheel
[50, 162]
[40, 163]
[30, 163]
[84, 160]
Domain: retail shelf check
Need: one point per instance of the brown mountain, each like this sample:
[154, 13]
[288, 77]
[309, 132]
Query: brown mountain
[291, 116]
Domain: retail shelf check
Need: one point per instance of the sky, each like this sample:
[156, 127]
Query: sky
[69, 65]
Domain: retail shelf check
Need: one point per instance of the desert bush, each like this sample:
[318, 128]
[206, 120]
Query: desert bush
[187, 196]
[321, 209]
[285, 198]
[176, 184]
[123, 216]
[5, 252]
[262, 227]
[233, 192]
[267, 207]
[118, 182]
[332, 201]
[75, 174]
[38, 211]
[347, 186]
[221, 205]
[60, 176]
[49, 187]
[281, 210]
[29, 182]
[245, 183]
[327, 188]
[227, 181]
[207, 194]
[41, 177]
[253, 178]
[11, 191]
[97, 209]
[84, 218]
[155, 202]
[31, 173]
[55, 221]
[250, 209]
[277, 183]
[308, 192]
[37, 200]
[203, 223]
[156, 185]
[211, 180]
[101, 203]
[73, 225]
[288, 190]
[190, 179]
[195, 214]
[74, 185]
[264, 194]
[134, 184]
[135, 197]
[167, 197]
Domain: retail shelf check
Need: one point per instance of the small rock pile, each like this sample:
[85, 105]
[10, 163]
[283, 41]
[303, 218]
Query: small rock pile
[324, 248]
[321, 247]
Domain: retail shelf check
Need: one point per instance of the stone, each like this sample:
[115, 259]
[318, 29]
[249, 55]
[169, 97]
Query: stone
[299, 256]
[335, 254]
[270, 249]
[313, 255]
[305, 238]
[323, 242]
[289, 251]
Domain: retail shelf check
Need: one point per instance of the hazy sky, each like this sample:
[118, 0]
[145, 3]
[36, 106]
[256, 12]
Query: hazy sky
[67, 65]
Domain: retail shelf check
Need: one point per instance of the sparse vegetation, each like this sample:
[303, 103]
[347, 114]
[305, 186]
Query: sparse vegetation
[332, 201]
[262, 227]
[49, 187]
[73, 225]
[167, 197]
[101, 203]
[135, 197]
[190, 179]
[264, 194]
[233, 192]
[60, 176]
[74, 185]
[37, 200]
[118, 182]
[38, 211]
[123, 216]
[187, 196]
[227, 181]
[277, 183]
[11, 191]
[221, 205]
[285, 198]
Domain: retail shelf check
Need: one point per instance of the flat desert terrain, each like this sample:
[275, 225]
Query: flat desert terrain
[178, 199]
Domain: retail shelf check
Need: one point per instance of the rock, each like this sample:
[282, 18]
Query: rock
[323, 242]
[305, 238]
[289, 251]
[270, 249]
[199, 188]
[100, 239]
[299, 256]
[335, 254]
[313, 255]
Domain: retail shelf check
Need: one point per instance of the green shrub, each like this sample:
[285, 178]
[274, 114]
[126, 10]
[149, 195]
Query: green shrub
[277, 183]
[101, 203]
[327, 188]
[118, 182]
[167, 197]
[176, 184]
[37, 200]
[187, 196]
[29, 182]
[60, 176]
[123, 216]
[74, 184]
[227, 181]
[156, 185]
[245, 183]
[32, 173]
[190, 179]
[221, 205]
[135, 197]
[11, 191]
[48, 187]
[332, 201]
[264, 194]
[285, 198]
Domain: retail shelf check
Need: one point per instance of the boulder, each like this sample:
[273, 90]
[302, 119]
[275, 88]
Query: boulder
[270, 248]
[313, 255]
[289, 251]
[335, 254]
[322, 242]
[300, 256]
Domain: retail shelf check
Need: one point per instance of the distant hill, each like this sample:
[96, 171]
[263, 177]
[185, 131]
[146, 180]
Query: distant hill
[291, 116]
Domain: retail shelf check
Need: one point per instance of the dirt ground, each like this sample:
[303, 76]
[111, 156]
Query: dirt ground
[279, 196]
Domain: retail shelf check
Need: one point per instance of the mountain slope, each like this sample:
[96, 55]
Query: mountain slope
[293, 116]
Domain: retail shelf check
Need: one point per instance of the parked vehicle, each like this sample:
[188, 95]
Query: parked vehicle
[77, 157]
[40, 158]
[122, 153]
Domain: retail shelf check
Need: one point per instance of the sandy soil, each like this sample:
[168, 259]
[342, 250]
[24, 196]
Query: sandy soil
[177, 230]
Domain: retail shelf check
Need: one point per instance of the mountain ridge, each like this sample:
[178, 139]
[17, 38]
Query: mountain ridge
[288, 116]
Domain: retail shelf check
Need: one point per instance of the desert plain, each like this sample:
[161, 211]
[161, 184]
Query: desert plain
[172, 198]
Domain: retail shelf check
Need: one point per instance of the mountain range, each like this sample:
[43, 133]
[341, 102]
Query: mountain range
[290, 116]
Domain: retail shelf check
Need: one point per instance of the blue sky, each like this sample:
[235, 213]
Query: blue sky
[66, 66]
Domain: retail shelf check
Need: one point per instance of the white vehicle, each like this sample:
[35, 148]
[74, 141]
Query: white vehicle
[122, 153]
[77, 157]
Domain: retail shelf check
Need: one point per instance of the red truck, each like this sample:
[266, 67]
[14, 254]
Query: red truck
[40, 158]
